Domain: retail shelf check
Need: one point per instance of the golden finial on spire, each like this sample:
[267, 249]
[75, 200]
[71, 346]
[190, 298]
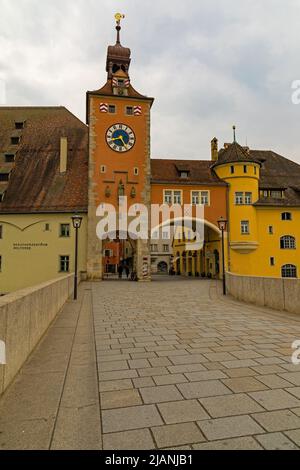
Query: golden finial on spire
[118, 18]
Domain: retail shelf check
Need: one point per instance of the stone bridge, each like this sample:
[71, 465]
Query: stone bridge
[166, 365]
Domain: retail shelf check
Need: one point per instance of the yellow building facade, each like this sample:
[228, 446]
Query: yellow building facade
[37, 248]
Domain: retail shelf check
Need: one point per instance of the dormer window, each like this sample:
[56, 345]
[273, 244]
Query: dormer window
[276, 194]
[19, 125]
[9, 158]
[5, 174]
[184, 174]
[15, 140]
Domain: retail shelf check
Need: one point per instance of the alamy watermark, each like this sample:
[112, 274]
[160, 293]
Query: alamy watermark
[296, 353]
[296, 92]
[137, 222]
[2, 353]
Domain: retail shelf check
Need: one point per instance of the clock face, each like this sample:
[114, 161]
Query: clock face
[120, 138]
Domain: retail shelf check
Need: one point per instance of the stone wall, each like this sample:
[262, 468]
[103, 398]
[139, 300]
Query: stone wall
[25, 316]
[279, 294]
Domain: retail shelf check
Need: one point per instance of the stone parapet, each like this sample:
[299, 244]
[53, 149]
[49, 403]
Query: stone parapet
[276, 293]
[25, 316]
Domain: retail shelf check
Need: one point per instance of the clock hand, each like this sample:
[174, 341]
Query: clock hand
[122, 139]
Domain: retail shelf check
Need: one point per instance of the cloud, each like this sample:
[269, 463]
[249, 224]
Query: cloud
[209, 64]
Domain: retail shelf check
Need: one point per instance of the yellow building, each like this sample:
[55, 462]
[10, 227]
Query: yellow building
[264, 211]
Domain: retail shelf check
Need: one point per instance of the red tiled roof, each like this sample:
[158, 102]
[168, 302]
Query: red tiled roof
[36, 184]
[199, 172]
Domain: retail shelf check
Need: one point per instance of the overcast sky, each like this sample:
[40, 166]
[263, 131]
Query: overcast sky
[209, 64]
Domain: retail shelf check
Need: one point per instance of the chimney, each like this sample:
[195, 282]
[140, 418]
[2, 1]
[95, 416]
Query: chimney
[63, 154]
[214, 150]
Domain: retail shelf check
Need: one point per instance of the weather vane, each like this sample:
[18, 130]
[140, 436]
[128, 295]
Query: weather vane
[119, 17]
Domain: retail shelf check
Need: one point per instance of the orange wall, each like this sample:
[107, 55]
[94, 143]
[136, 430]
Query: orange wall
[218, 198]
[120, 166]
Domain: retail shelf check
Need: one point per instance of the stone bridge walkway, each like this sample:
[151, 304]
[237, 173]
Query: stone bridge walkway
[170, 364]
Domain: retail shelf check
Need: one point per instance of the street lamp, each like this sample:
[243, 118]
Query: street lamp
[77, 221]
[222, 223]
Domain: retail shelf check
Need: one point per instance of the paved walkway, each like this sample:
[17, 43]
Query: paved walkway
[170, 364]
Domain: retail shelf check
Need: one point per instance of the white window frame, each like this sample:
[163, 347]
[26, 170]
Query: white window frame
[239, 200]
[200, 196]
[248, 198]
[68, 260]
[244, 224]
[172, 194]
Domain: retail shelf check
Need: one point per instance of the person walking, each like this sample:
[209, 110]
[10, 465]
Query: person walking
[127, 270]
[120, 271]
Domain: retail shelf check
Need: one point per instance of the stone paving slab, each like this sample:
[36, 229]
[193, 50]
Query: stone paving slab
[177, 367]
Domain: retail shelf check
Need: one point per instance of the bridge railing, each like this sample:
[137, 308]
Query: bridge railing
[25, 316]
[276, 293]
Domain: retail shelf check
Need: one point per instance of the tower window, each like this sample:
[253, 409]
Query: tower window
[245, 169]
[255, 170]
[103, 169]
[239, 198]
[47, 227]
[136, 172]
[112, 109]
[286, 216]
[272, 261]
[245, 227]
[271, 230]
[232, 170]
[248, 198]
[289, 270]
[129, 110]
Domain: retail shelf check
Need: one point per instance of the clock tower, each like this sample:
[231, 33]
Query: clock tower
[119, 154]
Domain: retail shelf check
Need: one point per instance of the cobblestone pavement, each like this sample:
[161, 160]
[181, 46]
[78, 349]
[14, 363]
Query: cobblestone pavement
[166, 365]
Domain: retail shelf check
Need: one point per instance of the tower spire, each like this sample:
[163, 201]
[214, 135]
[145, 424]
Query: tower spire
[118, 18]
[234, 134]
